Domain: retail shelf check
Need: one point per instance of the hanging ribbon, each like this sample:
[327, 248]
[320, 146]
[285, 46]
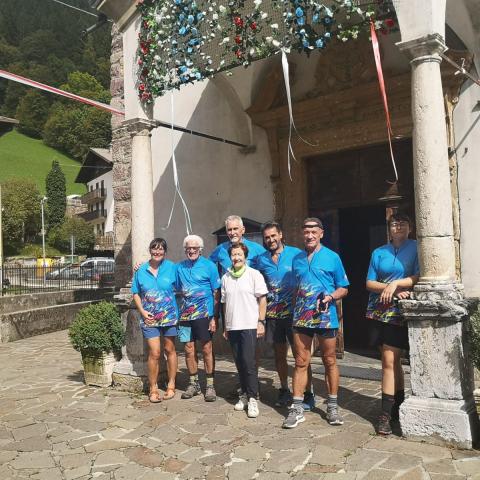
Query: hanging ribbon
[286, 77]
[381, 81]
[188, 222]
[41, 86]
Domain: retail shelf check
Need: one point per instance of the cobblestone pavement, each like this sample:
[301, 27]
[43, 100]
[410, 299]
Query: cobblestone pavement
[53, 427]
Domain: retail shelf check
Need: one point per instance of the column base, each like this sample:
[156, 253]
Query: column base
[441, 422]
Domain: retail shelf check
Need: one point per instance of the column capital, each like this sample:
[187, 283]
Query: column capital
[428, 47]
[139, 126]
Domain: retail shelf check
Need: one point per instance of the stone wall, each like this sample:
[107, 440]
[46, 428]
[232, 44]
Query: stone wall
[24, 316]
[19, 303]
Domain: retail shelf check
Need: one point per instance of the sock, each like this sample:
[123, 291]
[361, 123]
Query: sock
[332, 402]
[209, 379]
[297, 402]
[399, 397]
[387, 404]
[194, 378]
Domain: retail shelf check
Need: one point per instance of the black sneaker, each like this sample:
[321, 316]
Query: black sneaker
[284, 398]
[383, 425]
[192, 390]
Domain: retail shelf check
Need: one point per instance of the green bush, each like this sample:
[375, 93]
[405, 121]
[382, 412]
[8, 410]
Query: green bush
[475, 337]
[97, 328]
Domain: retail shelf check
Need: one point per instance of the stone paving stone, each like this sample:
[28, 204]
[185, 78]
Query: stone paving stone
[416, 473]
[159, 475]
[287, 460]
[108, 445]
[7, 456]
[48, 474]
[29, 431]
[425, 451]
[217, 459]
[33, 460]
[379, 474]
[166, 434]
[324, 455]
[341, 476]
[190, 454]
[444, 466]
[468, 466]
[174, 465]
[400, 461]
[243, 470]
[273, 476]
[33, 444]
[250, 452]
[131, 471]
[194, 470]
[216, 473]
[442, 476]
[110, 458]
[345, 440]
[78, 472]
[75, 460]
[77, 441]
[145, 456]
[365, 460]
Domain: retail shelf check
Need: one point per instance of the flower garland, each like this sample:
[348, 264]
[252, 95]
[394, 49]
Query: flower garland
[183, 41]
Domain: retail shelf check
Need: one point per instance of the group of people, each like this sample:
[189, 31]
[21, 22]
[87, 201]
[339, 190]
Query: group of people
[278, 292]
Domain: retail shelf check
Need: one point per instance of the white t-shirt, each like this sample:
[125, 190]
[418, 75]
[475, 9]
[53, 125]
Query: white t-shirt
[240, 298]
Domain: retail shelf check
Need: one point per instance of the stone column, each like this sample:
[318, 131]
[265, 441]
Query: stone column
[441, 407]
[130, 373]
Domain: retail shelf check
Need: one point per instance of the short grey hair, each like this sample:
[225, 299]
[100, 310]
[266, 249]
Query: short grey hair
[234, 218]
[193, 238]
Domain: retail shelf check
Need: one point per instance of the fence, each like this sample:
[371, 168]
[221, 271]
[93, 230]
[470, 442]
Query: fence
[19, 279]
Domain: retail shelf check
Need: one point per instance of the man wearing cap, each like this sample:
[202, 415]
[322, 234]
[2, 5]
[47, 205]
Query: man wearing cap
[321, 281]
[276, 266]
[235, 230]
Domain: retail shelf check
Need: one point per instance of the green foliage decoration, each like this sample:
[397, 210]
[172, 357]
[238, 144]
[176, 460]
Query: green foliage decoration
[97, 328]
[183, 41]
[56, 189]
[59, 237]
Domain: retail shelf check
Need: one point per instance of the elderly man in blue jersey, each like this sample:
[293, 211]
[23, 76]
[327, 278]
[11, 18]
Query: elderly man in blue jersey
[276, 266]
[235, 230]
[198, 283]
[321, 281]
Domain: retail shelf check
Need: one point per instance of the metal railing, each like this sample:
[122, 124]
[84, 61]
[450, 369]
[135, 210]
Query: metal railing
[93, 215]
[94, 196]
[18, 280]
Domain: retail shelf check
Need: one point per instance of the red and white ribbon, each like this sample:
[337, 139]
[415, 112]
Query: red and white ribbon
[381, 81]
[41, 86]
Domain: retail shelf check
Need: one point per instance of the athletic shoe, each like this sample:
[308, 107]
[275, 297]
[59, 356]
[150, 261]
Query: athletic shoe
[294, 417]
[383, 425]
[333, 417]
[242, 403]
[252, 410]
[192, 390]
[284, 398]
[308, 403]
[210, 394]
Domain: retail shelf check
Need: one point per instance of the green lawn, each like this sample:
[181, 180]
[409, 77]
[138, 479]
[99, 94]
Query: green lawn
[22, 156]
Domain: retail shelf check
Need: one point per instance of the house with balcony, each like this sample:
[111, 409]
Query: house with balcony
[96, 175]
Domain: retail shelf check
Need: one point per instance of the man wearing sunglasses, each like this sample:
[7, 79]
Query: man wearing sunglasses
[198, 283]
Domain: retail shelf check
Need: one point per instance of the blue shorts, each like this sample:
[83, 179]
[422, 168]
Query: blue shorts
[152, 332]
[321, 332]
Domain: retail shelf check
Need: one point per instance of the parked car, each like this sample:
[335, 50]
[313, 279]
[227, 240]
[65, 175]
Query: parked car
[94, 268]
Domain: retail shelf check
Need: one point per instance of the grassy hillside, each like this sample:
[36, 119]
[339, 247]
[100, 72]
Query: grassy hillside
[22, 156]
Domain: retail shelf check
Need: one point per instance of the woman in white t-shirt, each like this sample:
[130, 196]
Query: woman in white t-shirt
[244, 302]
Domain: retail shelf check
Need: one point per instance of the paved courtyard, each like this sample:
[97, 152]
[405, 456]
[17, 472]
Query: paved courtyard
[53, 427]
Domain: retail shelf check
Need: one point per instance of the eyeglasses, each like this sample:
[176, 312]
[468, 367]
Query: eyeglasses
[195, 249]
[399, 224]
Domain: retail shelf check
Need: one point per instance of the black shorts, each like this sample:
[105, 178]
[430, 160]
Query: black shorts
[198, 330]
[321, 332]
[279, 330]
[382, 333]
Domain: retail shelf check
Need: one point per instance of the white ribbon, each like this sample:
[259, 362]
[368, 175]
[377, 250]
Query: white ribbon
[188, 222]
[286, 77]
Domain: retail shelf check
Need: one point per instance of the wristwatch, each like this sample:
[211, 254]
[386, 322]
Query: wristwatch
[261, 321]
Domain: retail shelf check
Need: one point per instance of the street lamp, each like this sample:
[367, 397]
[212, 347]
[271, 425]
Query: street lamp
[42, 203]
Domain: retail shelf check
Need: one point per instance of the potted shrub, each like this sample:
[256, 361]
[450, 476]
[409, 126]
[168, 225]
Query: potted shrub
[97, 333]
[475, 350]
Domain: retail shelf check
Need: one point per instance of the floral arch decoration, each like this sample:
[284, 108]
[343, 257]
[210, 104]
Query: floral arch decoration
[183, 41]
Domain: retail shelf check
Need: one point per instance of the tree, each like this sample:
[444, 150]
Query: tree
[56, 189]
[59, 237]
[21, 212]
[32, 112]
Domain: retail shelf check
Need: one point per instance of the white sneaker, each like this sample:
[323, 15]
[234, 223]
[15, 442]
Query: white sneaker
[252, 411]
[242, 403]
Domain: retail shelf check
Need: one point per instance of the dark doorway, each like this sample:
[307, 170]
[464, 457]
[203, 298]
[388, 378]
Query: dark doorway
[361, 230]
